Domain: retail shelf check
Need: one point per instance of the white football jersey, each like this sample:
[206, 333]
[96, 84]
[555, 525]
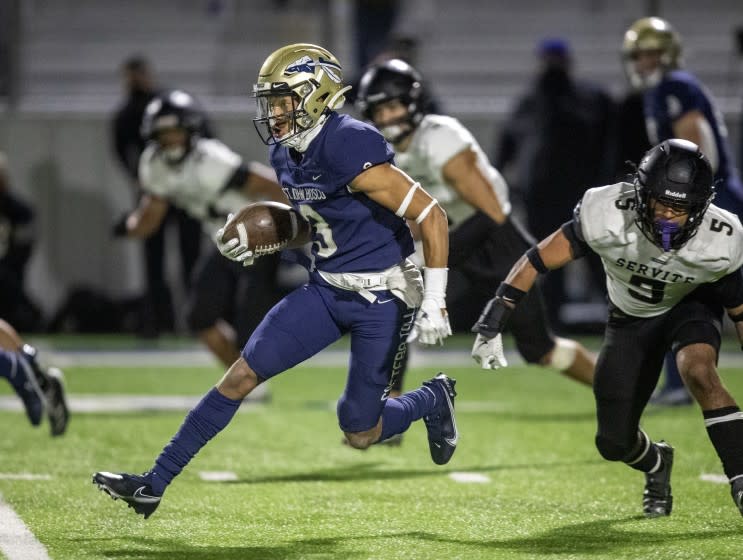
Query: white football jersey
[642, 279]
[434, 142]
[197, 184]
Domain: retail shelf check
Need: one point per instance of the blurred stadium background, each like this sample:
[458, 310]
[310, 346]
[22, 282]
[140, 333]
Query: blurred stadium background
[60, 83]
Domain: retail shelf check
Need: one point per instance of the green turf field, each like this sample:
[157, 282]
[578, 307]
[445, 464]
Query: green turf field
[544, 492]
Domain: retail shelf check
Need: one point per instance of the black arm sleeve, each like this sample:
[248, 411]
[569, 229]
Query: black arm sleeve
[238, 179]
[578, 246]
[571, 230]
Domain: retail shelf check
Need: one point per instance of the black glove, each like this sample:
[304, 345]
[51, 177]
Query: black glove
[119, 228]
[494, 317]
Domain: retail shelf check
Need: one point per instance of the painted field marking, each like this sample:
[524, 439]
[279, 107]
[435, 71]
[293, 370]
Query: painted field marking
[716, 478]
[217, 476]
[24, 476]
[16, 541]
[469, 477]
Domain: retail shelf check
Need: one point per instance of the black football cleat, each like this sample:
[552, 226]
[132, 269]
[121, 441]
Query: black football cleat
[657, 500]
[441, 424]
[26, 384]
[134, 489]
[51, 383]
[736, 489]
[56, 403]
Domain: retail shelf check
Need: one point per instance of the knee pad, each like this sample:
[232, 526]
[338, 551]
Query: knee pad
[611, 450]
[563, 354]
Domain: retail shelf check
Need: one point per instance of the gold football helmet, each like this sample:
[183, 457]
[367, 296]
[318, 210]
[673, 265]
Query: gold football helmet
[650, 34]
[298, 85]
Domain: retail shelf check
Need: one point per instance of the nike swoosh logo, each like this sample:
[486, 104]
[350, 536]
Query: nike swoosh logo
[436, 444]
[452, 441]
[316, 177]
[384, 300]
[145, 498]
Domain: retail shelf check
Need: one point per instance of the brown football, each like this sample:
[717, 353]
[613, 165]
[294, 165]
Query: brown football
[267, 227]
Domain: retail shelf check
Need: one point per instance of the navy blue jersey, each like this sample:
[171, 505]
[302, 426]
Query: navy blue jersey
[678, 93]
[350, 232]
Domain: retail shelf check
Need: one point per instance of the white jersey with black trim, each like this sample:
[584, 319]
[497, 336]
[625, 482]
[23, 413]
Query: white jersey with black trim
[642, 279]
[434, 142]
[197, 184]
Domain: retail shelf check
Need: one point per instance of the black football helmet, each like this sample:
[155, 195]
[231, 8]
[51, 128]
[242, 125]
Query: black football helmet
[676, 174]
[174, 109]
[393, 79]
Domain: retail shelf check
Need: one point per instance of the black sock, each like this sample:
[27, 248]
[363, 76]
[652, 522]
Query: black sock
[645, 456]
[725, 430]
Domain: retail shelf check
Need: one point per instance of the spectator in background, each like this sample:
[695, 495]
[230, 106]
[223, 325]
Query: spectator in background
[157, 309]
[373, 23]
[16, 244]
[559, 140]
[677, 105]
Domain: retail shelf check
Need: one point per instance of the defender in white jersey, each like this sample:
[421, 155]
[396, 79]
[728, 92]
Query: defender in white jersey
[484, 240]
[207, 180]
[672, 262]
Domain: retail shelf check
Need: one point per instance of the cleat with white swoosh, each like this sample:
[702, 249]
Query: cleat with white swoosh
[134, 489]
[441, 424]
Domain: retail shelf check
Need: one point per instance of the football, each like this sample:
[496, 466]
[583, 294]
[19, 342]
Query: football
[267, 227]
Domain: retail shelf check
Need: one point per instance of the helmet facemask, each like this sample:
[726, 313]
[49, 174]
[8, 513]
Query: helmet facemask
[280, 115]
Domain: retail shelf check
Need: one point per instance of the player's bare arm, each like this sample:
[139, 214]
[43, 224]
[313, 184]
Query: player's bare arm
[554, 252]
[390, 187]
[147, 217]
[261, 184]
[693, 126]
[465, 176]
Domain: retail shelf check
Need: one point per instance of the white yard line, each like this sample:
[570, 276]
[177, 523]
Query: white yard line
[24, 476]
[469, 478]
[16, 541]
[716, 478]
[217, 476]
[419, 357]
[124, 403]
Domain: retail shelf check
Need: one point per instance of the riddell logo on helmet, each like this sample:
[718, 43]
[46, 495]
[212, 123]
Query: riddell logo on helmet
[676, 194]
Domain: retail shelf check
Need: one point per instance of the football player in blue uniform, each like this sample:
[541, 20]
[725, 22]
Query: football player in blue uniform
[677, 105]
[338, 173]
[40, 389]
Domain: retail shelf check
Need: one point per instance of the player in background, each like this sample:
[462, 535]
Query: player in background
[677, 105]
[207, 180]
[338, 173]
[484, 240]
[41, 390]
[672, 262]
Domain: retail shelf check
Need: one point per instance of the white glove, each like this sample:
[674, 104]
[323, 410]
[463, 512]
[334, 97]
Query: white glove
[431, 323]
[488, 352]
[233, 249]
